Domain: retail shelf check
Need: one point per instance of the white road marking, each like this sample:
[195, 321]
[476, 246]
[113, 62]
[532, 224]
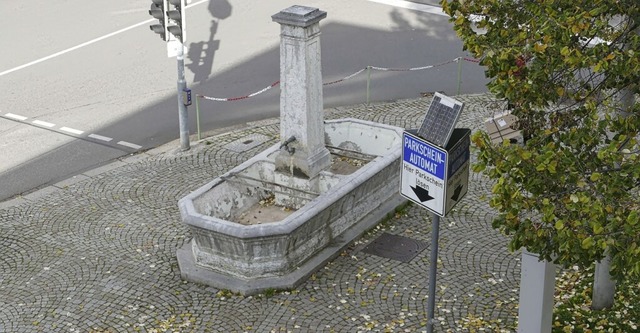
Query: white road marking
[128, 11]
[71, 130]
[75, 47]
[128, 144]
[189, 5]
[100, 137]
[43, 123]
[87, 43]
[15, 116]
[413, 6]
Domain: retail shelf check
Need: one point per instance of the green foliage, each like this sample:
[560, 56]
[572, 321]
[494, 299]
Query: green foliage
[572, 308]
[571, 191]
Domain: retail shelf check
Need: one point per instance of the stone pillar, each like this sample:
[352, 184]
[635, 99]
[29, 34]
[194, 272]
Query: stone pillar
[301, 105]
[537, 284]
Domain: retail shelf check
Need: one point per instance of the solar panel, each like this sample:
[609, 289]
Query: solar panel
[441, 118]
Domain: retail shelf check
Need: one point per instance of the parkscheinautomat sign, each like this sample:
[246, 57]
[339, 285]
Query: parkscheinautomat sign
[434, 177]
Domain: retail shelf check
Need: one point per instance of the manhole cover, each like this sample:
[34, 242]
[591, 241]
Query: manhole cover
[247, 142]
[395, 247]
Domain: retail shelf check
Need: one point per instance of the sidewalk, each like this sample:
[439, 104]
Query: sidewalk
[97, 253]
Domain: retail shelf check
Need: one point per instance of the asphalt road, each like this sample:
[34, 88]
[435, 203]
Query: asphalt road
[81, 85]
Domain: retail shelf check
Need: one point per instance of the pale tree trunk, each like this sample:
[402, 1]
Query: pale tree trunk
[604, 287]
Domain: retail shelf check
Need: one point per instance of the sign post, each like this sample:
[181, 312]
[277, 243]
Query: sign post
[433, 270]
[435, 173]
[435, 178]
[171, 27]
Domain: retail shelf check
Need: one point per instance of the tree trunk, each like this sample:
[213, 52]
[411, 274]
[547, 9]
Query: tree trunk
[604, 287]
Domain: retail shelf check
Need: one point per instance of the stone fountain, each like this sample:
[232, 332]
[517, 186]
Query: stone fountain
[272, 221]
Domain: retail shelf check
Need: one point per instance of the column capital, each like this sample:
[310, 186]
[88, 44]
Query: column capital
[299, 16]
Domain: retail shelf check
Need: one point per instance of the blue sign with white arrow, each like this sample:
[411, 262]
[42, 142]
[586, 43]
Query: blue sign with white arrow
[433, 177]
[424, 171]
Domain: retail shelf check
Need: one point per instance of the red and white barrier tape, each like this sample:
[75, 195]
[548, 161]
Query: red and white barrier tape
[345, 78]
[231, 99]
[414, 68]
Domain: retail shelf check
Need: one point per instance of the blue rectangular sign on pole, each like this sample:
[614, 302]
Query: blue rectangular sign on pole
[423, 178]
[424, 156]
[433, 177]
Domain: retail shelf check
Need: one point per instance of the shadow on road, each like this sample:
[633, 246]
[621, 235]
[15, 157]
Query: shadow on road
[202, 53]
[346, 49]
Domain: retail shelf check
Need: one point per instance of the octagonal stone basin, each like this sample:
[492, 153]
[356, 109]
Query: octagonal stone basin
[237, 247]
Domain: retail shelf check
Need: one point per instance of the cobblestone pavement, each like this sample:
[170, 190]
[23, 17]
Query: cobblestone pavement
[97, 253]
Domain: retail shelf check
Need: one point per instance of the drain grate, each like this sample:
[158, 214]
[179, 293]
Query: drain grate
[395, 247]
[246, 143]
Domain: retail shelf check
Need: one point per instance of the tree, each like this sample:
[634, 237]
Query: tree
[571, 70]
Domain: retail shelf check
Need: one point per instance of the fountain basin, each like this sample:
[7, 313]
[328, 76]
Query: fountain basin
[229, 251]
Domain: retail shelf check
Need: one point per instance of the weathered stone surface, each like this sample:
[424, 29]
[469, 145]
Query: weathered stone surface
[299, 16]
[301, 104]
[256, 253]
[100, 254]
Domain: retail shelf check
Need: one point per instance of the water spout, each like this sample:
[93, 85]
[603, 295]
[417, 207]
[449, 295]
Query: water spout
[285, 145]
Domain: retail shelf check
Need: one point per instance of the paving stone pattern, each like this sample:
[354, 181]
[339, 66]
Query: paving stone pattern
[98, 254]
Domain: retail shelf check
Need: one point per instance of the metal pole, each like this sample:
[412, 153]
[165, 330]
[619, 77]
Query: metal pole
[368, 81]
[459, 60]
[435, 230]
[182, 109]
[198, 115]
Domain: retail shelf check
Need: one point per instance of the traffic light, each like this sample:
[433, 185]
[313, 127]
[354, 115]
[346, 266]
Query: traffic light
[177, 19]
[158, 8]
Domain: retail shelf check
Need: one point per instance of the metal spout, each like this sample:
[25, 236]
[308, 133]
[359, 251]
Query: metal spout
[285, 144]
